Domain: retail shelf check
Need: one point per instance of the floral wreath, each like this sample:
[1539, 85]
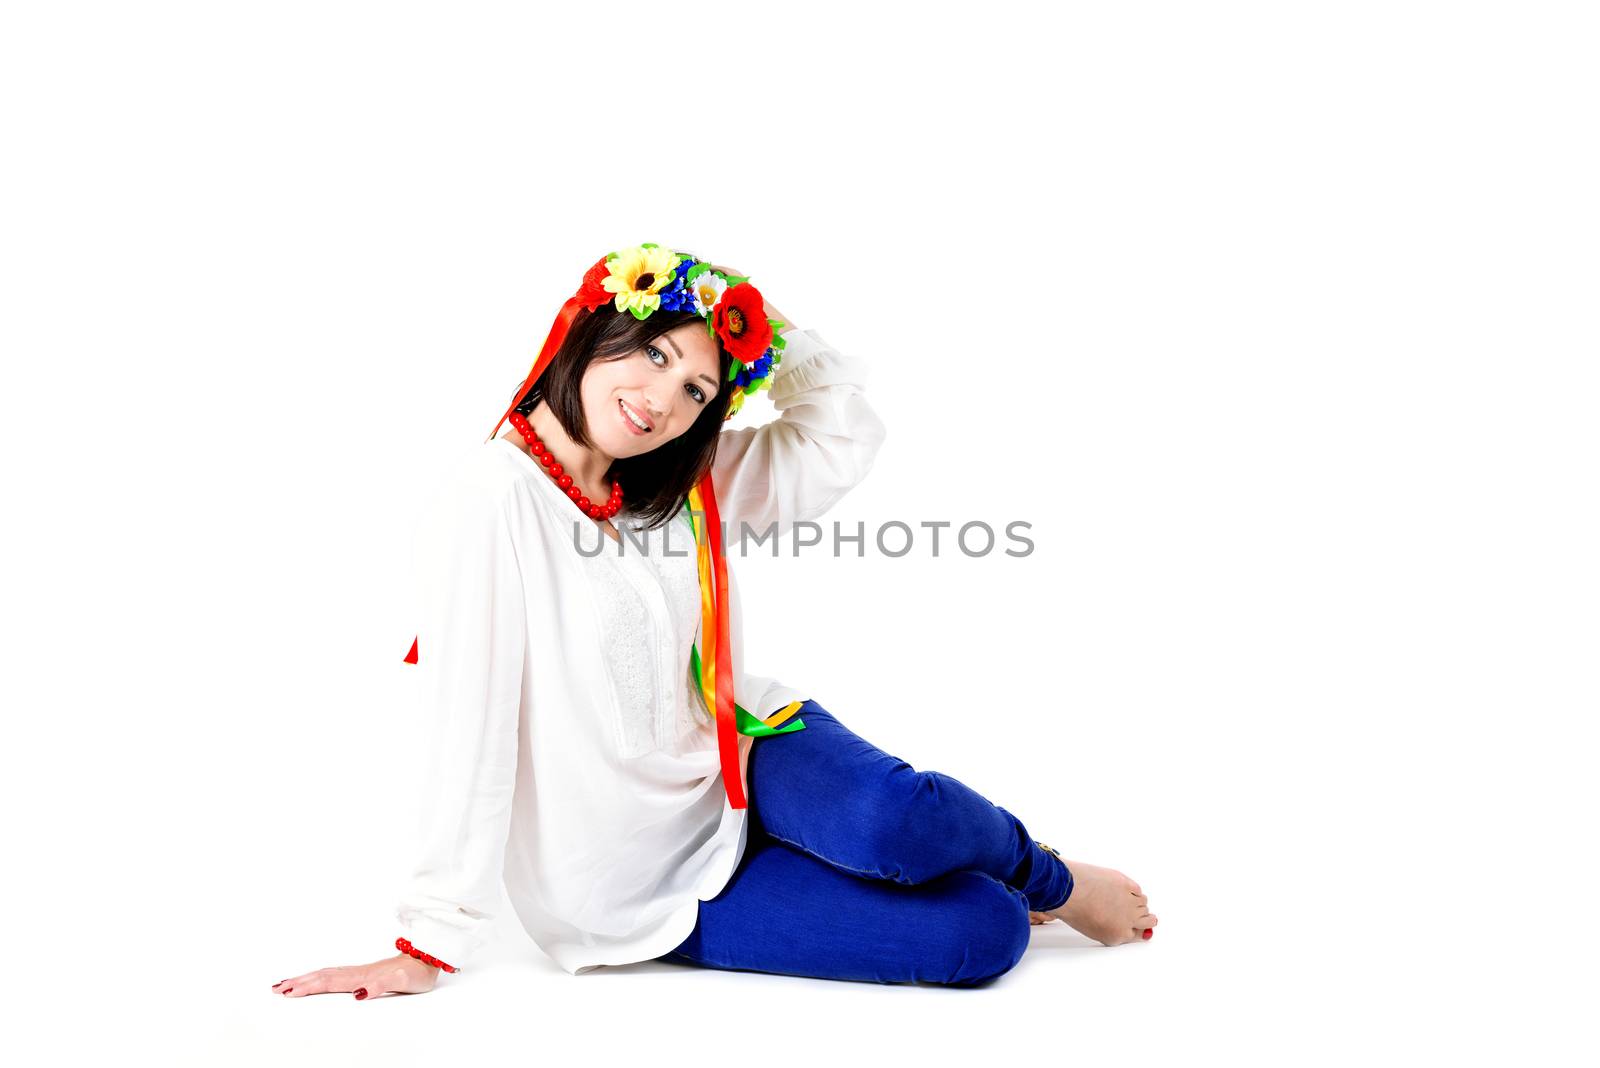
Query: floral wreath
[641, 279]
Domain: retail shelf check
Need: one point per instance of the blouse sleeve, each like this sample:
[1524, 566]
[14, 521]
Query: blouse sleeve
[795, 467]
[470, 646]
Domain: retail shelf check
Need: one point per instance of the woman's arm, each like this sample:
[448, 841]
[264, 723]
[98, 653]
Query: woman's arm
[470, 643]
[469, 663]
[823, 442]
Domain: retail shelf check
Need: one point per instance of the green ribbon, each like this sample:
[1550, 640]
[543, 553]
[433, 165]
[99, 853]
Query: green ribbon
[744, 722]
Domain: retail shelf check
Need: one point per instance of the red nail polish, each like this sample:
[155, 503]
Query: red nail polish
[361, 993]
[287, 989]
[1148, 931]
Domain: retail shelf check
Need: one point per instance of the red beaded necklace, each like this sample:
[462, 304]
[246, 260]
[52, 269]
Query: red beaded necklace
[564, 480]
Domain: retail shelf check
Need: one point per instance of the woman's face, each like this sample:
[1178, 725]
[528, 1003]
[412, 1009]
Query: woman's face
[664, 386]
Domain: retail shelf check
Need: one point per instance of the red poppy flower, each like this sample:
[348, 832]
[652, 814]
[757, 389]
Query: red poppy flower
[740, 319]
[591, 293]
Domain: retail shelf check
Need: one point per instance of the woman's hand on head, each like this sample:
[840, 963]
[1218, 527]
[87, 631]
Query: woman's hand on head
[403, 974]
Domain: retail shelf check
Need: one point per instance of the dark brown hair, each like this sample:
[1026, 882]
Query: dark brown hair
[656, 483]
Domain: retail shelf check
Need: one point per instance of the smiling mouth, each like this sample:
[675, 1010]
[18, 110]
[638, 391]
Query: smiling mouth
[634, 419]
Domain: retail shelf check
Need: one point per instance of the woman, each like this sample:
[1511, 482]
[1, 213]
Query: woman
[594, 737]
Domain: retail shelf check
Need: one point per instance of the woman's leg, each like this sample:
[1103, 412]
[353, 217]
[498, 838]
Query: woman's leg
[788, 913]
[829, 793]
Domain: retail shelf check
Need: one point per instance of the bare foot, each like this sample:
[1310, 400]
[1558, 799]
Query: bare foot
[1106, 905]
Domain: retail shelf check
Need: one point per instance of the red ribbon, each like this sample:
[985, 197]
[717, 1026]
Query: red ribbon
[552, 344]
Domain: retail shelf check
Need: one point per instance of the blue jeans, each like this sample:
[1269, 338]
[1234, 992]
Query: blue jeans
[858, 866]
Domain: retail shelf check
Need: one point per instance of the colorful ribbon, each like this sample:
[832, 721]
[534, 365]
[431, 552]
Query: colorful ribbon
[750, 724]
[716, 685]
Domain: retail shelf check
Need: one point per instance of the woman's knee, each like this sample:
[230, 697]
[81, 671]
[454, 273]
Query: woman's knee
[912, 829]
[987, 931]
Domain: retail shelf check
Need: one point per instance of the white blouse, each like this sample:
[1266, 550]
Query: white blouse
[568, 752]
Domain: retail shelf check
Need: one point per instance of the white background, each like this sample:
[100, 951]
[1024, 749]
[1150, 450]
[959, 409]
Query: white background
[1276, 321]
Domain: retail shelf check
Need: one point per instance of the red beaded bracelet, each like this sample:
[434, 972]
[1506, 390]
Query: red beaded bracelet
[405, 946]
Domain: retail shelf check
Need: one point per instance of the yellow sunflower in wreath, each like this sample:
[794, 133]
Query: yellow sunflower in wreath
[637, 276]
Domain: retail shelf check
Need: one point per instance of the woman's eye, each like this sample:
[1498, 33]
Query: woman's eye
[651, 352]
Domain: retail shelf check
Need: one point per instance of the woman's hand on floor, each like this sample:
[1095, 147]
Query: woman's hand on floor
[401, 974]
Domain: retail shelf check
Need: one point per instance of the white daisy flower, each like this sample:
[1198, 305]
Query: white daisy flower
[706, 291]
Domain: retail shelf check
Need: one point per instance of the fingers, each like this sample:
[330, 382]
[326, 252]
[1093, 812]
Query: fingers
[284, 986]
[394, 975]
[395, 978]
[321, 981]
[1037, 918]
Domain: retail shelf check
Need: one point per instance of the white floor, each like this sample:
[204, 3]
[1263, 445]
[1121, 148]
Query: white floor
[1194, 990]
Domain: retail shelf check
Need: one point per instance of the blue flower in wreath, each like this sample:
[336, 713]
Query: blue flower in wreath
[753, 372]
[675, 296]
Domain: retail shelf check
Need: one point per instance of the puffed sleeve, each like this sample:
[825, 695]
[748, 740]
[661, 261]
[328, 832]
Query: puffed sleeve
[470, 647]
[795, 467]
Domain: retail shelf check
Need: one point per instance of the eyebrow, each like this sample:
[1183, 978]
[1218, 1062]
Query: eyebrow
[674, 345]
